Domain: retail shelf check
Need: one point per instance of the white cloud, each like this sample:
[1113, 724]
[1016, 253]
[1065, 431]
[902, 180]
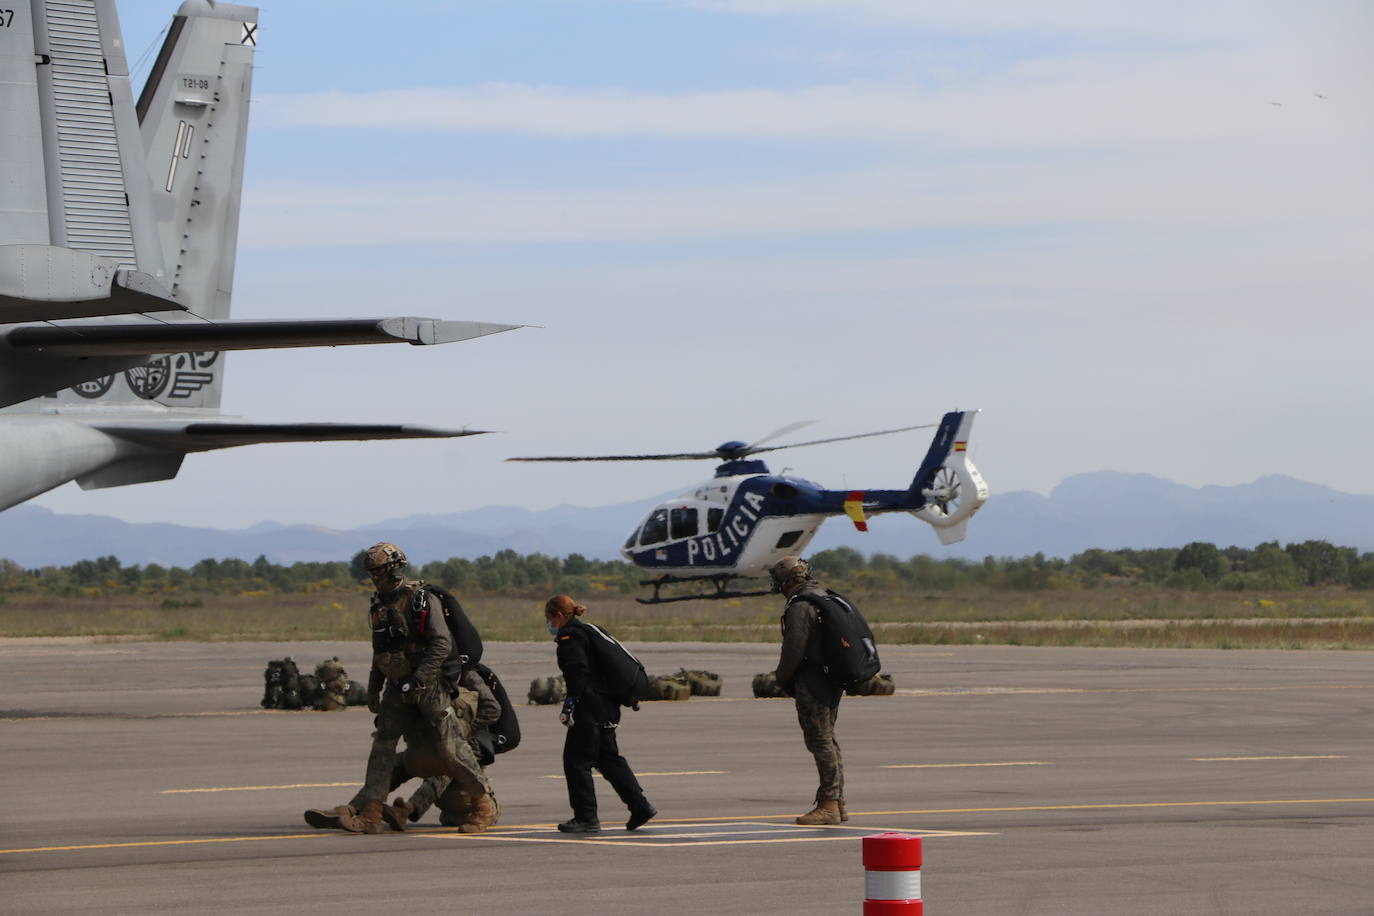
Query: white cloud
[1059, 104]
[1173, 19]
[1242, 189]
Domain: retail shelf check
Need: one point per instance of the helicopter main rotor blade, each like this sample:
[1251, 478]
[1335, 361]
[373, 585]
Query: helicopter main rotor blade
[716, 454]
[789, 428]
[684, 456]
[884, 432]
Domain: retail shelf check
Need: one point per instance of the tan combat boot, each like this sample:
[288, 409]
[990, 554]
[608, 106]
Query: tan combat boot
[369, 820]
[826, 813]
[844, 812]
[397, 814]
[331, 819]
[483, 814]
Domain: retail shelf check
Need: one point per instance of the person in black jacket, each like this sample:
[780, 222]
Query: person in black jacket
[591, 717]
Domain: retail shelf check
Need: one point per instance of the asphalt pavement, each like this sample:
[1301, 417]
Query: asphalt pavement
[145, 778]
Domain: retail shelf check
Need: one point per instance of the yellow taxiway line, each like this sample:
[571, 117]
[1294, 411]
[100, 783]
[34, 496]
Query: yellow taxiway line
[294, 785]
[738, 819]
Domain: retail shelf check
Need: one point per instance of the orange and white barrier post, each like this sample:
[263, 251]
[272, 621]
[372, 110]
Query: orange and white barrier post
[892, 875]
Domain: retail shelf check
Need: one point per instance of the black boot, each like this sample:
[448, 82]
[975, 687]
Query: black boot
[640, 816]
[577, 826]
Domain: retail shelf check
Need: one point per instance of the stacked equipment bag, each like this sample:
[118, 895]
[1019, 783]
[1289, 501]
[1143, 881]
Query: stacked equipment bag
[667, 687]
[880, 685]
[545, 691]
[283, 689]
[766, 686]
[703, 683]
[331, 682]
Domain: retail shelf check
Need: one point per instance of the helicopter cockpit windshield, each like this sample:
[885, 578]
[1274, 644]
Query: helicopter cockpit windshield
[676, 522]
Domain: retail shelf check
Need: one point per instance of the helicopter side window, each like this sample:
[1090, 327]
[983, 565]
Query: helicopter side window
[683, 522]
[787, 540]
[656, 528]
[713, 517]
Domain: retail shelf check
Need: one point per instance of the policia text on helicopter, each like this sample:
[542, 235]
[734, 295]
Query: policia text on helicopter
[426, 683]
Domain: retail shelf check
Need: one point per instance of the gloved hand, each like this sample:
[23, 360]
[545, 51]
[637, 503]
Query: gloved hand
[374, 701]
[566, 715]
[410, 690]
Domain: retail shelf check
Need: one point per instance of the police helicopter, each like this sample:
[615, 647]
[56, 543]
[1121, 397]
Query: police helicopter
[745, 519]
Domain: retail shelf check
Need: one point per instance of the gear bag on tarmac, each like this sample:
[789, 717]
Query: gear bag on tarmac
[849, 654]
[467, 642]
[283, 685]
[624, 676]
[547, 690]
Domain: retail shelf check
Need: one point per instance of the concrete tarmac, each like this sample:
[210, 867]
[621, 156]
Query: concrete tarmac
[144, 778]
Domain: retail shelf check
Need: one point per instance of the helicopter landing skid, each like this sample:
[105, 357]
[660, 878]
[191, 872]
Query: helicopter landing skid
[721, 583]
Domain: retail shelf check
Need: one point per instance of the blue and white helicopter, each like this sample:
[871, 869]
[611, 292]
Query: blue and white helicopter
[745, 519]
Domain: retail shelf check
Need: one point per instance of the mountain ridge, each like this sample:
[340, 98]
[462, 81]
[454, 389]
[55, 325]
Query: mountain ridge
[1098, 509]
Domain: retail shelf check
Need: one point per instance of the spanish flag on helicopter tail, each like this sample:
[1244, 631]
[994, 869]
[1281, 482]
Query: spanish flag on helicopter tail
[854, 508]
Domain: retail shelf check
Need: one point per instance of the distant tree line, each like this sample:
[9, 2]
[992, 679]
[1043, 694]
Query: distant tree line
[506, 572]
[1198, 566]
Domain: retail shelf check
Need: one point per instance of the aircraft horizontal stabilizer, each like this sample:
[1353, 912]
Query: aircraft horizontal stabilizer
[148, 337]
[42, 283]
[181, 436]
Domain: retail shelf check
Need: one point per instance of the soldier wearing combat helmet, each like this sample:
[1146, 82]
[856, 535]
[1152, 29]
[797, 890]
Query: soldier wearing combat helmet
[411, 695]
[801, 674]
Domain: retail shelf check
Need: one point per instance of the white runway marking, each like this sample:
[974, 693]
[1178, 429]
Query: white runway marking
[703, 833]
[941, 766]
[1291, 757]
[677, 773]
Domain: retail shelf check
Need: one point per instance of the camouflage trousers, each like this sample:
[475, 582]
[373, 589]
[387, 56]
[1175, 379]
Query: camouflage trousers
[818, 731]
[438, 733]
[454, 804]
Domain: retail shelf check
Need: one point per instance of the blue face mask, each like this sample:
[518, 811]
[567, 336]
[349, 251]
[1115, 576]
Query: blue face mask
[553, 630]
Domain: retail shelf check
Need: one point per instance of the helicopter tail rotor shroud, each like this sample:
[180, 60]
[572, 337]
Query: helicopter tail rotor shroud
[949, 484]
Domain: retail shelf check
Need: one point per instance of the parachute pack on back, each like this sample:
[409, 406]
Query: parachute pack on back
[849, 653]
[623, 673]
[467, 642]
[503, 734]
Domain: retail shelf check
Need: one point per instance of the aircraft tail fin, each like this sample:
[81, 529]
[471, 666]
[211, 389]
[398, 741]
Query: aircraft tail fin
[77, 233]
[193, 116]
[948, 486]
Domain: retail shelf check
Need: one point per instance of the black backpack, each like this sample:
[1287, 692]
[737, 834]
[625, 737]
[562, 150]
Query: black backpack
[621, 672]
[467, 642]
[503, 734]
[849, 654]
[283, 687]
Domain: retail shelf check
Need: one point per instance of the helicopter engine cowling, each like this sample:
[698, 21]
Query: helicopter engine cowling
[954, 493]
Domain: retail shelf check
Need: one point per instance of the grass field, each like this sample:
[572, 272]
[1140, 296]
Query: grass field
[1307, 619]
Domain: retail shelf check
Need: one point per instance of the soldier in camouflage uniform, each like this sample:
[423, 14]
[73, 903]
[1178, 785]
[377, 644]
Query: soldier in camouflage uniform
[458, 808]
[411, 696]
[799, 673]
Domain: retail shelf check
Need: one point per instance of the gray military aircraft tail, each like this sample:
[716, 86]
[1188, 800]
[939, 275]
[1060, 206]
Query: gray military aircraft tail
[118, 233]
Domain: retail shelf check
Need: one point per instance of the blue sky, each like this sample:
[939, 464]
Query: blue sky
[1090, 220]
